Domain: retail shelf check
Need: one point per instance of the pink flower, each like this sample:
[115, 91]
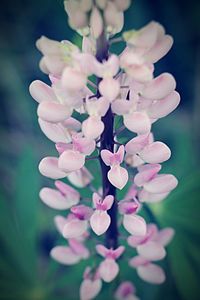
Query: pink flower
[108, 87]
[117, 175]
[150, 248]
[155, 183]
[100, 220]
[92, 127]
[72, 157]
[109, 269]
[77, 222]
[149, 152]
[80, 178]
[91, 285]
[147, 271]
[62, 198]
[126, 290]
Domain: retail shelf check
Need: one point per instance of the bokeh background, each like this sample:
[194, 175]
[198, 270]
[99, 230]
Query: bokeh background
[27, 232]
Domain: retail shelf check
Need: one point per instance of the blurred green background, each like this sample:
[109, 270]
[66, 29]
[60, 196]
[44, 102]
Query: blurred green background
[27, 232]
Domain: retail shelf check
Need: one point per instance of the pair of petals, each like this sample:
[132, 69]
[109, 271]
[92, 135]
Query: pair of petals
[147, 271]
[70, 255]
[149, 152]
[62, 198]
[60, 132]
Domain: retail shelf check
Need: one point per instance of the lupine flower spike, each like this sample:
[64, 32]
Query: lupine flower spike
[90, 92]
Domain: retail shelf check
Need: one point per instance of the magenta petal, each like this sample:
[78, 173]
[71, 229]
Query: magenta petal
[135, 224]
[151, 273]
[64, 255]
[118, 176]
[53, 112]
[48, 167]
[108, 269]
[71, 160]
[161, 184]
[138, 122]
[99, 222]
[151, 250]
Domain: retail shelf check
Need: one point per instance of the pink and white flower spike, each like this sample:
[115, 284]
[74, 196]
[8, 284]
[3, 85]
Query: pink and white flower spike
[99, 109]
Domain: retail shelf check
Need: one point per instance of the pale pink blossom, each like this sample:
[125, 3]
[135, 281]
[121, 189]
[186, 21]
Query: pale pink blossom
[72, 156]
[126, 291]
[91, 285]
[62, 198]
[93, 126]
[117, 175]
[100, 220]
[109, 269]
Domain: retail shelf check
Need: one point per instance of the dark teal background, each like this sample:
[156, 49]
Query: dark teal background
[27, 232]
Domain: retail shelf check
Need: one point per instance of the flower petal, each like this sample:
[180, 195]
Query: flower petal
[160, 49]
[48, 167]
[92, 127]
[108, 269]
[90, 289]
[53, 112]
[71, 160]
[55, 132]
[60, 222]
[145, 196]
[159, 87]
[40, 91]
[118, 176]
[151, 251]
[99, 222]
[135, 225]
[156, 152]
[74, 228]
[73, 80]
[96, 22]
[163, 107]
[146, 174]
[161, 184]
[151, 273]
[138, 122]
[64, 255]
[165, 236]
[55, 199]
[80, 178]
[109, 88]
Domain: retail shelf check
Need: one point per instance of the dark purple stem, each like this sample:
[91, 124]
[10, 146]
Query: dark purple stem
[107, 142]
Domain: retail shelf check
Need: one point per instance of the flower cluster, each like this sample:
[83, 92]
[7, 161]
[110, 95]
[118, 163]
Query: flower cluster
[91, 92]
